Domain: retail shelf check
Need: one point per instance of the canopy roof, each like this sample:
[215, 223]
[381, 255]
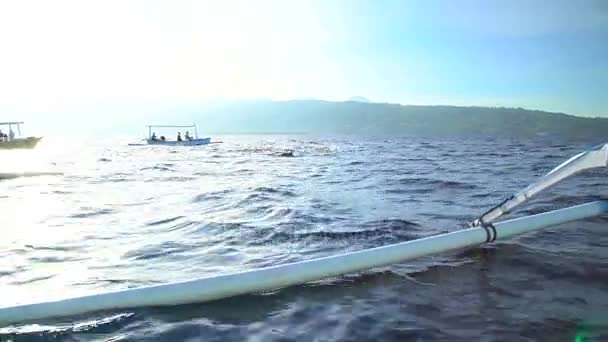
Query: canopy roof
[11, 123]
[171, 126]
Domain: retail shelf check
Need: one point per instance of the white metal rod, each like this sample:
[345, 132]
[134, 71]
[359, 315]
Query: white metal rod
[270, 278]
[594, 158]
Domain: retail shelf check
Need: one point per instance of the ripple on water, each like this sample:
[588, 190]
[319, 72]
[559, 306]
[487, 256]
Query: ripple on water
[134, 214]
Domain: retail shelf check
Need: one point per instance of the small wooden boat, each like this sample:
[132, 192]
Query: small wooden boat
[185, 141]
[8, 141]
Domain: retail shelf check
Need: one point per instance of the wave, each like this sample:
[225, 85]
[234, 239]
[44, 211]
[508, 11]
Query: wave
[156, 168]
[90, 212]
[164, 221]
[436, 183]
[66, 332]
[13, 175]
[210, 196]
[161, 250]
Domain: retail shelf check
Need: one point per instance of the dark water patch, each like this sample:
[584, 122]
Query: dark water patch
[114, 179]
[218, 230]
[427, 146]
[256, 198]
[269, 190]
[9, 175]
[451, 217]
[481, 195]
[205, 173]
[161, 250]
[52, 259]
[551, 157]
[165, 221]
[435, 183]
[211, 196]
[408, 191]
[156, 168]
[31, 280]
[104, 160]
[334, 182]
[493, 154]
[357, 162]
[178, 179]
[260, 208]
[279, 213]
[568, 200]
[52, 248]
[91, 212]
[541, 169]
[285, 154]
[242, 172]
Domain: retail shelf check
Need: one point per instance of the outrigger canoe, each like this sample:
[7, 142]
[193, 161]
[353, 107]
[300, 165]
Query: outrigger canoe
[194, 141]
[9, 142]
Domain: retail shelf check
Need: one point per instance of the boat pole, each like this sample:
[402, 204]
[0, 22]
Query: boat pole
[275, 277]
[596, 157]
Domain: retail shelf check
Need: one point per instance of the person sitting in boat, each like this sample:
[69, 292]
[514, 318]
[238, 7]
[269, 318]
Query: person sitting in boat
[162, 138]
[154, 137]
[179, 136]
[1, 135]
[187, 136]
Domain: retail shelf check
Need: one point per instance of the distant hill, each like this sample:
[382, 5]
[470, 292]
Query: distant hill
[323, 117]
[359, 99]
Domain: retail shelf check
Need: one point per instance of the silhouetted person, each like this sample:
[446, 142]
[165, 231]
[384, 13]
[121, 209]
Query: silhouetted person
[154, 137]
[187, 136]
[179, 136]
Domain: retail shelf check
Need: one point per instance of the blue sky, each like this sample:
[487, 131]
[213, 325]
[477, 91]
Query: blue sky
[71, 60]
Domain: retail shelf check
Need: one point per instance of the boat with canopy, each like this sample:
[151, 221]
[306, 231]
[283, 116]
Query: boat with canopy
[186, 141]
[484, 229]
[9, 141]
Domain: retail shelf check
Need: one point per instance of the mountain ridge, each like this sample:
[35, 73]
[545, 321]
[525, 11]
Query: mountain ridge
[319, 116]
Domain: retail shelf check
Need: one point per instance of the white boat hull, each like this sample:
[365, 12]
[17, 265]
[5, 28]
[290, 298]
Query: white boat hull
[193, 142]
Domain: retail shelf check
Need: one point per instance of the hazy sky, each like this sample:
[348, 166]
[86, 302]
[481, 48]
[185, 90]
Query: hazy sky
[70, 59]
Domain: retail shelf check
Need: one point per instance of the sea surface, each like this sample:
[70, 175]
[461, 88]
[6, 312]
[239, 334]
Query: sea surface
[86, 216]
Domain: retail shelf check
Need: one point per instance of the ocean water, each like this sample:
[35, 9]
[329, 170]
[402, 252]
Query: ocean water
[123, 216]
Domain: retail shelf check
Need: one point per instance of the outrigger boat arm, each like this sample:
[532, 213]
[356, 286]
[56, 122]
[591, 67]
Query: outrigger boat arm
[594, 158]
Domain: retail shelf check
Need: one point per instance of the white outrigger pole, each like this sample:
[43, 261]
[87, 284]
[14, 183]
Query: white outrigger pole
[271, 278]
[594, 158]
